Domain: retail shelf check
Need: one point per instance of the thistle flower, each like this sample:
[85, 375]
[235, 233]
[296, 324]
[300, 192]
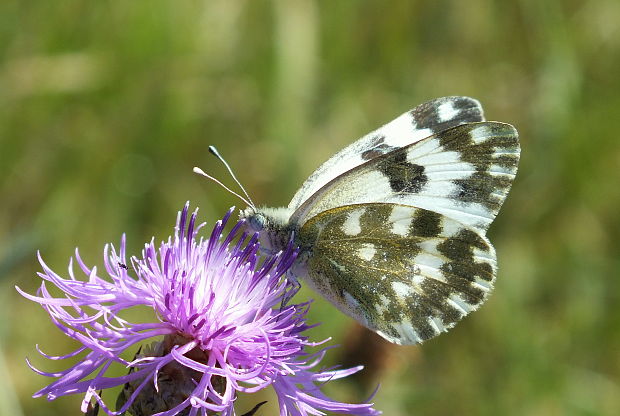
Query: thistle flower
[223, 327]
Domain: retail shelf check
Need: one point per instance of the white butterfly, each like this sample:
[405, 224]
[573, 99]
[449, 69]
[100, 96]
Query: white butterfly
[391, 229]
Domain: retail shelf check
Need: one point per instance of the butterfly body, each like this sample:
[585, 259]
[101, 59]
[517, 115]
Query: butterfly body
[392, 229]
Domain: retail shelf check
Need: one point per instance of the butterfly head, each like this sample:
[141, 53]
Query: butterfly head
[272, 226]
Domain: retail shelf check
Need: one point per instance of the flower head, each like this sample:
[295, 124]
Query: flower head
[222, 327]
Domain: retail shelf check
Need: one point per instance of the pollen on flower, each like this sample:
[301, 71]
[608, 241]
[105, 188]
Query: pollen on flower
[224, 327]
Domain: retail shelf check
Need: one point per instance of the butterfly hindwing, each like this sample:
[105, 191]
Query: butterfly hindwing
[406, 273]
[463, 173]
[424, 120]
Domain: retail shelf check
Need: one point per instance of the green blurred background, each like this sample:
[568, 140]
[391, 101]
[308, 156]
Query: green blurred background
[106, 106]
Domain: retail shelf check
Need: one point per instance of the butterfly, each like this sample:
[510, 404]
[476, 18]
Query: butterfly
[392, 229]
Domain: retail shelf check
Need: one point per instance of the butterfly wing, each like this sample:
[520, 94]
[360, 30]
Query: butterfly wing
[392, 228]
[463, 173]
[419, 123]
[406, 273]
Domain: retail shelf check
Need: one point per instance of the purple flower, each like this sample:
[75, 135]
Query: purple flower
[221, 328]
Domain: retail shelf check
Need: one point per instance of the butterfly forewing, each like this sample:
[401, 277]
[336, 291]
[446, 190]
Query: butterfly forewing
[406, 273]
[424, 120]
[463, 173]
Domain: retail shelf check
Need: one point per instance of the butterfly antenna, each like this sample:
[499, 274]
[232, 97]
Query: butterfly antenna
[202, 172]
[215, 153]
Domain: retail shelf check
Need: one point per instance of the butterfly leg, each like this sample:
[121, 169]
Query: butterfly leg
[292, 287]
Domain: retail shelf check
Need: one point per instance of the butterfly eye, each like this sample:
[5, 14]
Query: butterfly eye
[256, 221]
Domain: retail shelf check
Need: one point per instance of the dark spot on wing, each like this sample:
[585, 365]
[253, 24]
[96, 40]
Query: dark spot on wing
[482, 188]
[462, 245]
[426, 223]
[426, 115]
[404, 177]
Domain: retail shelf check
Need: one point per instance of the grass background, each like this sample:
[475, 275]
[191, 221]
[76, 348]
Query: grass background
[106, 106]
